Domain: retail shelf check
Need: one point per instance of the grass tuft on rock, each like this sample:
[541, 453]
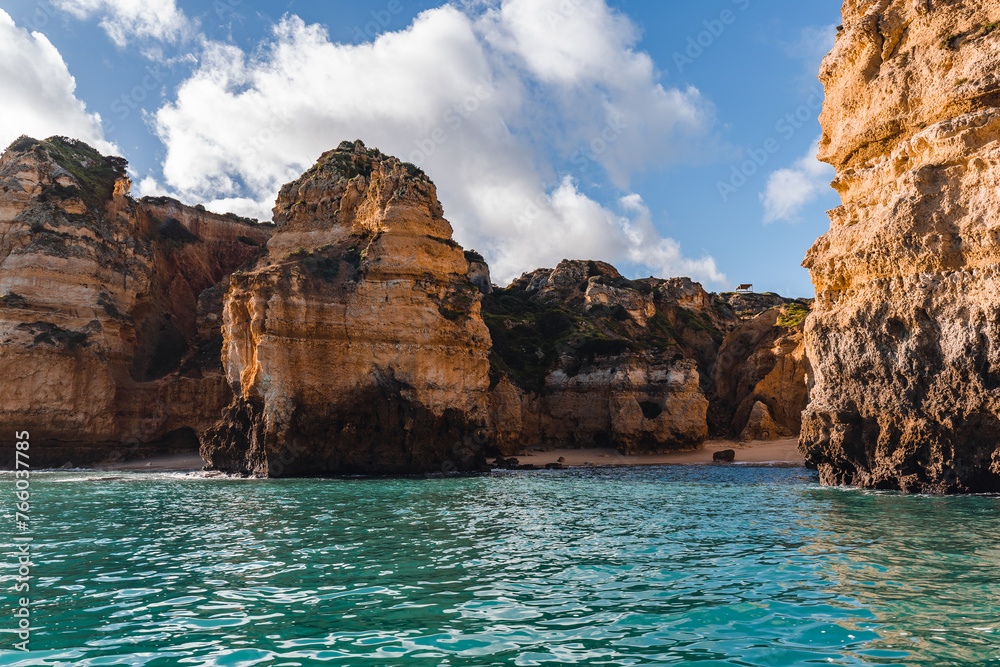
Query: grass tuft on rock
[793, 315]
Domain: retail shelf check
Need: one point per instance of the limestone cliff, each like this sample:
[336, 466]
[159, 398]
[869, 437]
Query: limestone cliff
[356, 345]
[348, 337]
[762, 363]
[583, 357]
[903, 339]
[103, 351]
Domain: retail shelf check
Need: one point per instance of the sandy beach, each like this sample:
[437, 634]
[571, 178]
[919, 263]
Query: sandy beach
[783, 451]
[778, 451]
[166, 463]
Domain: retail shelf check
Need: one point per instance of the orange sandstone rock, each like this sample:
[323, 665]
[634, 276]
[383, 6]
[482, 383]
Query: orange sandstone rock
[102, 352]
[902, 340]
[762, 361]
[358, 345]
[583, 357]
[348, 337]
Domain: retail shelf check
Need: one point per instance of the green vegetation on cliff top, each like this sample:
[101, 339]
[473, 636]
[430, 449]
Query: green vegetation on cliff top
[793, 314]
[532, 337]
[94, 173]
[352, 159]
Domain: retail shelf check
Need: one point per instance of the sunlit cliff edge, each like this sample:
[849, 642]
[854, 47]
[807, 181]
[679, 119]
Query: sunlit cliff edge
[903, 340]
[353, 335]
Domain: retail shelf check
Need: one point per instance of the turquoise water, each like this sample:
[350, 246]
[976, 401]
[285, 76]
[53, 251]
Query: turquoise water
[652, 566]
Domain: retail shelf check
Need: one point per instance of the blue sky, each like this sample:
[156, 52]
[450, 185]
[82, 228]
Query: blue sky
[668, 138]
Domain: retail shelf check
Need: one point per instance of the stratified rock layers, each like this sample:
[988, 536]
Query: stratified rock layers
[350, 336]
[904, 340]
[358, 347]
[105, 351]
[583, 357]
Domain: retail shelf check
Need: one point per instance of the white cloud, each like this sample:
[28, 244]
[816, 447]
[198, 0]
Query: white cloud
[611, 110]
[465, 96]
[147, 187]
[647, 248]
[790, 190]
[565, 42]
[127, 20]
[39, 93]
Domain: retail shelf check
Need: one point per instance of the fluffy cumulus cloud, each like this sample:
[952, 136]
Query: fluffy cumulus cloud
[514, 109]
[39, 92]
[790, 190]
[129, 20]
[578, 60]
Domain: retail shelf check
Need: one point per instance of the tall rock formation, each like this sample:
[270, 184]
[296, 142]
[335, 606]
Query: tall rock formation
[104, 353]
[357, 346]
[904, 337]
[762, 363]
[583, 357]
[350, 337]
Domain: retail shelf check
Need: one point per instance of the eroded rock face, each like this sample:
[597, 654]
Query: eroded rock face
[104, 350]
[903, 339]
[358, 345]
[638, 403]
[347, 338]
[583, 357]
[479, 272]
[762, 361]
[760, 425]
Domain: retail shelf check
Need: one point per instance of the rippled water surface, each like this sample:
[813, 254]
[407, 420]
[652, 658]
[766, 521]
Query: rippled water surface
[655, 566]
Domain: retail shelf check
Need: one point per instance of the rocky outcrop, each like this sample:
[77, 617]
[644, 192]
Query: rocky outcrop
[105, 353]
[583, 357]
[638, 402]
[762, 360]
[356, 345]
[747, 305]
[902, 341]
[479, 272]
[760, 425]
[352, 336]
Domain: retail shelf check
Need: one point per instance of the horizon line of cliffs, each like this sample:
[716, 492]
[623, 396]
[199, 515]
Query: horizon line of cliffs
[352, 335]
